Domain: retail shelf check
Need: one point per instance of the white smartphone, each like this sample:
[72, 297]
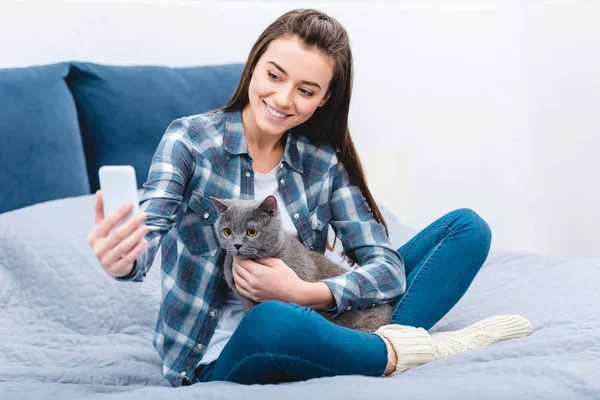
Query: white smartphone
[119, 186]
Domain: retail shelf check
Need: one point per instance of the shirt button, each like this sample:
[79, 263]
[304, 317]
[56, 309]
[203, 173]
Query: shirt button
[349, 308]
[206, 215]
[248, 174]
[183, 374]
[282, 181]
[199, 345]
[296, 215]
[212, 313]
[312, 247]
[281, 165]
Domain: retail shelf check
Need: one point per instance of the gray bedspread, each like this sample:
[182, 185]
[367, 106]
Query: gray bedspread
[67, 330]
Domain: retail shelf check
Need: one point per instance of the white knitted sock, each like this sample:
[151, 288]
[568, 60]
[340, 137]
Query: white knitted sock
[481, 334]
[415, 346]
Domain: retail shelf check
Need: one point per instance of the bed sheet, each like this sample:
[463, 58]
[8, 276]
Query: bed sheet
[67, 330]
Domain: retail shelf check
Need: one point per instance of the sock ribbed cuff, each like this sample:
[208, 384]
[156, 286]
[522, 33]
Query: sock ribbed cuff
[413, 346]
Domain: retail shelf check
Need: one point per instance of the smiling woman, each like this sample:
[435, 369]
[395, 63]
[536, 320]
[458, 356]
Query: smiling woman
[285, 134]
[286, 86]
[285, 89]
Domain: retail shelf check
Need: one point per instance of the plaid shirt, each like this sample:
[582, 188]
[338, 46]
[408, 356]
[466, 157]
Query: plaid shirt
[206, 155]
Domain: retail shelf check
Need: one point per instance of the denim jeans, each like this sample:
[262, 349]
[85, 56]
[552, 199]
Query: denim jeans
[281, 342]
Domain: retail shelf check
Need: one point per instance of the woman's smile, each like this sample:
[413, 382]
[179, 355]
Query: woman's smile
[274, 114]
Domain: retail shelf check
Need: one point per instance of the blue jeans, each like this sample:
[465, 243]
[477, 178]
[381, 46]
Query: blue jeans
[281, 342]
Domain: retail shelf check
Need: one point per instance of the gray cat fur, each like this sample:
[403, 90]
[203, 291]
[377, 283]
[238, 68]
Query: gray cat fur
[272, 241]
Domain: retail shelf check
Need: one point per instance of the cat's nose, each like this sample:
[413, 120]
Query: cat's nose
[237, 246]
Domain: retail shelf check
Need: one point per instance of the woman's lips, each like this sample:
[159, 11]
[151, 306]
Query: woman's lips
[271, 115]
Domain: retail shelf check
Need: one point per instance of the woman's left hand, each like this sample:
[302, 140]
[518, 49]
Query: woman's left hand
[267, 279]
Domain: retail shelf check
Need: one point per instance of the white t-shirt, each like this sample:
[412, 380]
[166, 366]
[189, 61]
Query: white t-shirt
[233, 312]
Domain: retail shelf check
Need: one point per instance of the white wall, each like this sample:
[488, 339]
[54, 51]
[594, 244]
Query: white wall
[563, 60]
[455, 89]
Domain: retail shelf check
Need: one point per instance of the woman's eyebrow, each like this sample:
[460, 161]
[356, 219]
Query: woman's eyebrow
[285, 72]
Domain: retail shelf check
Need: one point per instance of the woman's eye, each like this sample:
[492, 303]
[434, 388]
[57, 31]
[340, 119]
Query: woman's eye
[251, 232]
[307, 93]
[272, 76]
[227, 232]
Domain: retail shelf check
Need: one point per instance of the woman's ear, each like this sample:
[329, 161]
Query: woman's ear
[322, 103]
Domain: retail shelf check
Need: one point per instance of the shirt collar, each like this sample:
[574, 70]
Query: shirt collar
[234, 141]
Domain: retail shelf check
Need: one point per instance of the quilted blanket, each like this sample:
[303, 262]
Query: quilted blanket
[67, 330]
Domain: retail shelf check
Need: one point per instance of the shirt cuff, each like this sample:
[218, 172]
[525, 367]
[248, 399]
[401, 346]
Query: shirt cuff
[136, 274]
[341, 304]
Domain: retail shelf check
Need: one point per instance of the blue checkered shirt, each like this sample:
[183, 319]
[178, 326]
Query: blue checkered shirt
[206, 155]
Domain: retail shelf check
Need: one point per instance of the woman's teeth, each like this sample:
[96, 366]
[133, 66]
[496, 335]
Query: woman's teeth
[275, 113]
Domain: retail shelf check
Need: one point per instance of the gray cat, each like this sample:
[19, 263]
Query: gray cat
[253, 229]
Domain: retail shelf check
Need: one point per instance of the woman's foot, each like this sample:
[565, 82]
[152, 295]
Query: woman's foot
[481, 334]
[415, 346]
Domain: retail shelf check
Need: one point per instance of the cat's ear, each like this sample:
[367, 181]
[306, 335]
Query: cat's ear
[220, 205]
[269, 205]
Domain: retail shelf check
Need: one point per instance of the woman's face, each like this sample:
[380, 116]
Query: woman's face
[289, 82]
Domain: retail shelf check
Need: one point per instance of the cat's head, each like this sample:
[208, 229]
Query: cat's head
[249, 228]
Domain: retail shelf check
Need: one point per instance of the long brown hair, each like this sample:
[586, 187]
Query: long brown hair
[328, 123]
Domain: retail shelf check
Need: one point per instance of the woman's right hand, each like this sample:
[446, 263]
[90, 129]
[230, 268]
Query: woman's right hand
[118, 250]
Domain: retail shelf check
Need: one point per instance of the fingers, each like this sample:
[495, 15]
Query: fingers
[124, 266]
[110, 221]
[242, 285]
[119, 234]
[99, 207]
[109, 249]
[269, 262]
[241, 271]
[120, 249]
[250, 265]
[106, 243]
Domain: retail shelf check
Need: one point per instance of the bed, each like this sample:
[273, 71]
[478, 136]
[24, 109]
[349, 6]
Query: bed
[68, 330]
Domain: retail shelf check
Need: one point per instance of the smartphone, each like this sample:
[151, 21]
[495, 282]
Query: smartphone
[119, 186]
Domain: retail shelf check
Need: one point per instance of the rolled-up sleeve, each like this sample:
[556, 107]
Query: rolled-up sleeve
[378, 276]
[172, 165]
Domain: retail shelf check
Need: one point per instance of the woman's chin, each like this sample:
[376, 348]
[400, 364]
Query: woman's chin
[270, 129]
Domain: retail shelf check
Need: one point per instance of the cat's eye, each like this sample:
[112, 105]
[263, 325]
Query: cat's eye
[227, 232]
[251, 232]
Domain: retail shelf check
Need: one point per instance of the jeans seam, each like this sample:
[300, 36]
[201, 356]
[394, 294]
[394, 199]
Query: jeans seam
[296, 358]
[425, 237]
[417, 275]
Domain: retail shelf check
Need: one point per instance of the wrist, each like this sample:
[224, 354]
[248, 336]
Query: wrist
[315, 295]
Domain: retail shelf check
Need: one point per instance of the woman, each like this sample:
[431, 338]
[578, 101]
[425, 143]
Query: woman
[285, 132]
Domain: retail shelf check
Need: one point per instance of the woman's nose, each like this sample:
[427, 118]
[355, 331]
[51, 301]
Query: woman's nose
[282, 100]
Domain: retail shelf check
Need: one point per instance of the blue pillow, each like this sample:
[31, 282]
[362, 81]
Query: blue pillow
[124, 111]
[41, 156]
